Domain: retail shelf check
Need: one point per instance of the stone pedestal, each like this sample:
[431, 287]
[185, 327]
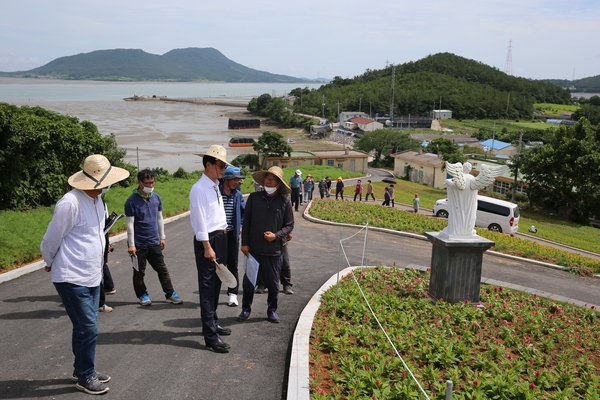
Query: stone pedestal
[456, 267]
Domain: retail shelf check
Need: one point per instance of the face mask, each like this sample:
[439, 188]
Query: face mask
[270, 190]
[106, 189]
[147, 190]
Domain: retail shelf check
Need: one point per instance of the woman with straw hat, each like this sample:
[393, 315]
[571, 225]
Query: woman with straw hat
[73, 249]
[268, 219]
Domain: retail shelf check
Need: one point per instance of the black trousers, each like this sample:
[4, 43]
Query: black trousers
[295, 198]
[270, 269]
[154, 256]
[209, 284]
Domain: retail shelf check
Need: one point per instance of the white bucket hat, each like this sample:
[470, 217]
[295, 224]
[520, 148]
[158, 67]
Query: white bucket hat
[217, 152]
[97, 173]
[298, 172]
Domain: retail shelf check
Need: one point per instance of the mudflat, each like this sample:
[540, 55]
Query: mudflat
[158, 134]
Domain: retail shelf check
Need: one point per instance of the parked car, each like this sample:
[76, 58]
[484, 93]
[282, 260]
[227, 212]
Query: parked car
[493, 214]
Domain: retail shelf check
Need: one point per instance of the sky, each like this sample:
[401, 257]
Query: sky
[546, 39]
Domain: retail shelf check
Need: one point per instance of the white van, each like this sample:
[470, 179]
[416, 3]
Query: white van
[493, 214]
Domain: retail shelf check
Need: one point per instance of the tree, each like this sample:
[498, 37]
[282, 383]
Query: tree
[271, 144]
[246, 159]
[40, 149]
[448, 149]
[562, 174]
[379, 140]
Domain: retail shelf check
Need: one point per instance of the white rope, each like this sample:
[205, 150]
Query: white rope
[371, 309]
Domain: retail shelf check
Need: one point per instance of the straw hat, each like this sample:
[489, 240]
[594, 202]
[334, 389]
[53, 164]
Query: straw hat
[97, 173]
[259, 177]
[217, 152]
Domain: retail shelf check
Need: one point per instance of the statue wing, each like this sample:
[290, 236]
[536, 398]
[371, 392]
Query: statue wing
[487, 175]
[456, 170]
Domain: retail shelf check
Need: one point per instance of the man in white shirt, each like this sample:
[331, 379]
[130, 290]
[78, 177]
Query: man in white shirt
[73, 249]
[209, 222]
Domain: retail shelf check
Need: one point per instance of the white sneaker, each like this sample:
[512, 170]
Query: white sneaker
[232, 301]
[105, 308]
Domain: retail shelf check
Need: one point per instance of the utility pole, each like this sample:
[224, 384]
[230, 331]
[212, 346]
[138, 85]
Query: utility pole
[338, 109]
[360, 104]
[514, 188]
[392, 95]
[507, 101]
[323, 107]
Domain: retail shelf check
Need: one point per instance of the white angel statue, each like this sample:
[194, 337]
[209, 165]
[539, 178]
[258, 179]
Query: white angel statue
[462, 197]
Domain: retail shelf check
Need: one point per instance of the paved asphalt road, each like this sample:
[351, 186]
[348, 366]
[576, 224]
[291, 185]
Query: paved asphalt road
[158, 352]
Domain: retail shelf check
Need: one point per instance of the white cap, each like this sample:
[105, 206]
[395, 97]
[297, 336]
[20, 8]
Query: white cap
[298, 172]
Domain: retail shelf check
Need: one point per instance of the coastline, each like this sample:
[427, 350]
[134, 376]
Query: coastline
[156, 134]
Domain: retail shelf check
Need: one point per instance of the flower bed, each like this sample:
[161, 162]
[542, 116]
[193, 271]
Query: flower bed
[520, 346]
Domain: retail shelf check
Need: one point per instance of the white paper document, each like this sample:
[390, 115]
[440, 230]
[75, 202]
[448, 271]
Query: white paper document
[251, 269]
[134, 263]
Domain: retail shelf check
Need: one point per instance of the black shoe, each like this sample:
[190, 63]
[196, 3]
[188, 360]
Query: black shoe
[244, 315]
[223, 331]
[273, 317]
[218, 346]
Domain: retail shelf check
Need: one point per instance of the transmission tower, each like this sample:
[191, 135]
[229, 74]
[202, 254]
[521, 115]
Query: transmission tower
[508, 62]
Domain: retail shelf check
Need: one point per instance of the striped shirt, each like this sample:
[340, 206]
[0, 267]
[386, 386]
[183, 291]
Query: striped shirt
[228, 204]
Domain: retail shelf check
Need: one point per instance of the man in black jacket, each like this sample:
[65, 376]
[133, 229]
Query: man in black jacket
[268, 219]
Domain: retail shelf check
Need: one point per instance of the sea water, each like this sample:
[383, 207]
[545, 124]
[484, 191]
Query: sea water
[154, 134]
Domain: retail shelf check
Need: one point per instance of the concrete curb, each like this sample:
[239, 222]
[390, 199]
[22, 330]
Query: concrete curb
[298, 374]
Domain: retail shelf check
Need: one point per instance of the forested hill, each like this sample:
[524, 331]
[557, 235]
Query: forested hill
[181, 65]
[467, 87]
[590, 85]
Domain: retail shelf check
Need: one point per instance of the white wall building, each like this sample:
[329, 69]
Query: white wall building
[441, 114]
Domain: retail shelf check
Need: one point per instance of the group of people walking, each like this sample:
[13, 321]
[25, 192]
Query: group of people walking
[75, 246]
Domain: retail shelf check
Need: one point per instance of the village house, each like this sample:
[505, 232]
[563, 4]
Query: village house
[348, 115]
[424, 168]
[365, 125]
[349, 160]
[441, 114]
[498, 148]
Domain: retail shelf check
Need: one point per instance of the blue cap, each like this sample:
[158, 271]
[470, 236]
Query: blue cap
[232, 173]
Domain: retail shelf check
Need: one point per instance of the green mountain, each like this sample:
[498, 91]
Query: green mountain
[181, 65]
[469, 88]
[590, 85]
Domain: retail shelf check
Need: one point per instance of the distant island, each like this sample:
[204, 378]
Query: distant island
[179, 65]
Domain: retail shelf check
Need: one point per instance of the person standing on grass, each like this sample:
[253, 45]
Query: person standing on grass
[391, 192]
[268, 220]
[234, 204]
[146, 238]
[339, 188]
[73, 250]
[416, 202]
[369, 191]
[209, 223]
[358, 189]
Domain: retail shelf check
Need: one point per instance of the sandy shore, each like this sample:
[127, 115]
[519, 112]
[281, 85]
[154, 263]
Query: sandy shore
[160, 135]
